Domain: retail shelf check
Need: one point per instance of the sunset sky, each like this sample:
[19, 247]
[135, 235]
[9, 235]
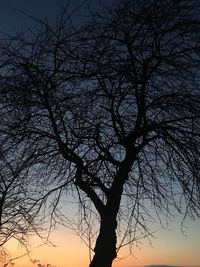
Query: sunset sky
[169, 247]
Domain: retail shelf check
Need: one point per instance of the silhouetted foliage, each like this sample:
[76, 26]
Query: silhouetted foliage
[111, 111]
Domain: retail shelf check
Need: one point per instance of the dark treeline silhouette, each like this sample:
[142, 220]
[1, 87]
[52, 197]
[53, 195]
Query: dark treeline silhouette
[107, 112]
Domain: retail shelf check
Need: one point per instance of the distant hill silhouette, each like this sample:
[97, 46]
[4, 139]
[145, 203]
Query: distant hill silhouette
[161, 265]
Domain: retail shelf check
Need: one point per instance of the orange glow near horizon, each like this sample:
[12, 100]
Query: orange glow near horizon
[170, 247]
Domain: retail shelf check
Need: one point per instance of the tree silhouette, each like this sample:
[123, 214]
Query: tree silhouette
[16, 211]
[111, 110]
[39, 264]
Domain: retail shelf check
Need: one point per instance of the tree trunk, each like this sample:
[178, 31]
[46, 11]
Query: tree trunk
[105, 249]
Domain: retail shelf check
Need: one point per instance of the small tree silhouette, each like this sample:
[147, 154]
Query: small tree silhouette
[39, 264]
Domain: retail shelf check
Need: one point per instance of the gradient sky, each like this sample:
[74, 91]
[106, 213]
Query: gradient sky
[171, 247]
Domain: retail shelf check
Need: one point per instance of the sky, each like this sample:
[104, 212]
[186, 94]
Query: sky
[11, 20]
[170, 247]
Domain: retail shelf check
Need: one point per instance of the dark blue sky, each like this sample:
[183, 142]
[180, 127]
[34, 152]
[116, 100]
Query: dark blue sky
[11, 21]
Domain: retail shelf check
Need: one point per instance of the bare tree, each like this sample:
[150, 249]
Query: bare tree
[14, 216]
[3, 256]
[5, 259]
[18, 210]
[112, 111]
